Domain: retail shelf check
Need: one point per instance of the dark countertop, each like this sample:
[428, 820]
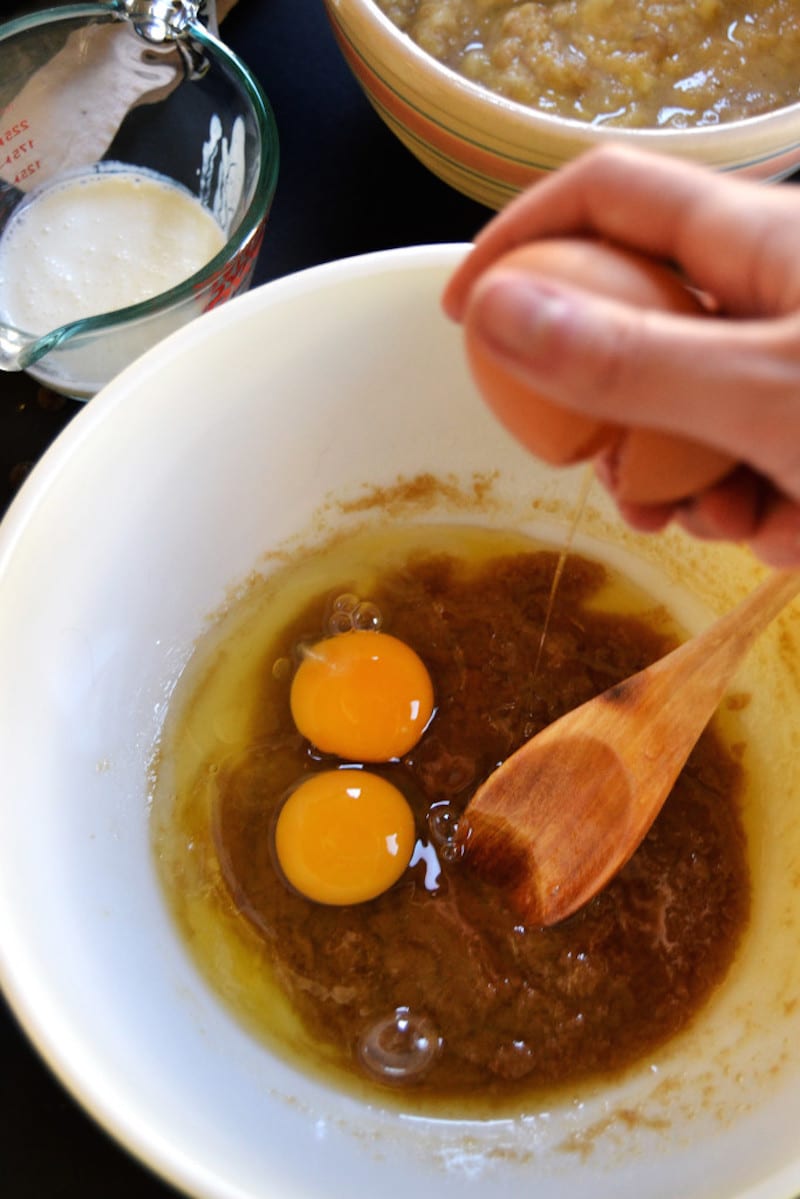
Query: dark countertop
[346, 186]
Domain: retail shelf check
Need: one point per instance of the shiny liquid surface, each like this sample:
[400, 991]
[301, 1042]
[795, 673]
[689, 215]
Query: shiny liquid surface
[435, 992]
[675, 64]
[97, 241]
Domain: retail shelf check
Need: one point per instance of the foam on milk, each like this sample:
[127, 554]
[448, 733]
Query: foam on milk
[98, 241]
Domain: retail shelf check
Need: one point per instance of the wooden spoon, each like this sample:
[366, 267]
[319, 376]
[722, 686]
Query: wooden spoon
[565, 812]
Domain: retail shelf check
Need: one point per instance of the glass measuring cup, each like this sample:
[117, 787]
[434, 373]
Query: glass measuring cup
[100, 96]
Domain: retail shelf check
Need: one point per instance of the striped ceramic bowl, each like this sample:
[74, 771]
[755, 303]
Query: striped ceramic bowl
[490, 147]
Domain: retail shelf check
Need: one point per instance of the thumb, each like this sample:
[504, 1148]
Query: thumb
[727, 383]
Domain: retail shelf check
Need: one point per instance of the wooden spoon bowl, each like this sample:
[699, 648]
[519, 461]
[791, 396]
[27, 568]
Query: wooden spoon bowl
[565, 812]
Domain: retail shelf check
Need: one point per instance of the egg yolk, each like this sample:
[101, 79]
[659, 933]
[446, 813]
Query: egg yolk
[362, 695]
[344, 836]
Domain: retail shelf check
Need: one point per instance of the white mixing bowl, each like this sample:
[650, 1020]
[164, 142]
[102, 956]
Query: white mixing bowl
[238, 435]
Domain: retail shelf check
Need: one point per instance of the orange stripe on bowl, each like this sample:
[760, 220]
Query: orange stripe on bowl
[477, 159]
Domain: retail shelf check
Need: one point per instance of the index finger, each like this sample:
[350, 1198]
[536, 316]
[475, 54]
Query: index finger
[735, 239]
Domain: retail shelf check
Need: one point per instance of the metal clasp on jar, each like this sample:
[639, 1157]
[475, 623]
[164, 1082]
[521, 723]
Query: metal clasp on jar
[166, 20]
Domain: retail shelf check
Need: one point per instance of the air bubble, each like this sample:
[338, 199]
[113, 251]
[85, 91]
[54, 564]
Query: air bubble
[342, 613]
[443, 826]
[400, 1047]
[349, 612]
[281, 668]
[348, 602]
[367, 616]
[339, 622]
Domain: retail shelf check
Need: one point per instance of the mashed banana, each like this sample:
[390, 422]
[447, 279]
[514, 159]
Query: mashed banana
[635, 63]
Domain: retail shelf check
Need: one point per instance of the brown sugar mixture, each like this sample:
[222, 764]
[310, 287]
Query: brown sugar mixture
[436, 986]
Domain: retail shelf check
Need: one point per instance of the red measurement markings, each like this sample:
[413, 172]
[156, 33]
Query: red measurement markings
[228, 281]
[27, 171]
[11, 132]
[17, 150]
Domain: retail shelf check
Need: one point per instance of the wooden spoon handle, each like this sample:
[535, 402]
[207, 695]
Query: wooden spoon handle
[719, 648]
[762, 605]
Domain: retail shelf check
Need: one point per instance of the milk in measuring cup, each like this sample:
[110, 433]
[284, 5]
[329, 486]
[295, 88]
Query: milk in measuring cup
[94, 242]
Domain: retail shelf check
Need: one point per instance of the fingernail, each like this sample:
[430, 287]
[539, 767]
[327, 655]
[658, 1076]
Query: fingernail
[517, 316]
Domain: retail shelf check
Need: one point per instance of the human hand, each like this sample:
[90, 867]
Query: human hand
[730, 380]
